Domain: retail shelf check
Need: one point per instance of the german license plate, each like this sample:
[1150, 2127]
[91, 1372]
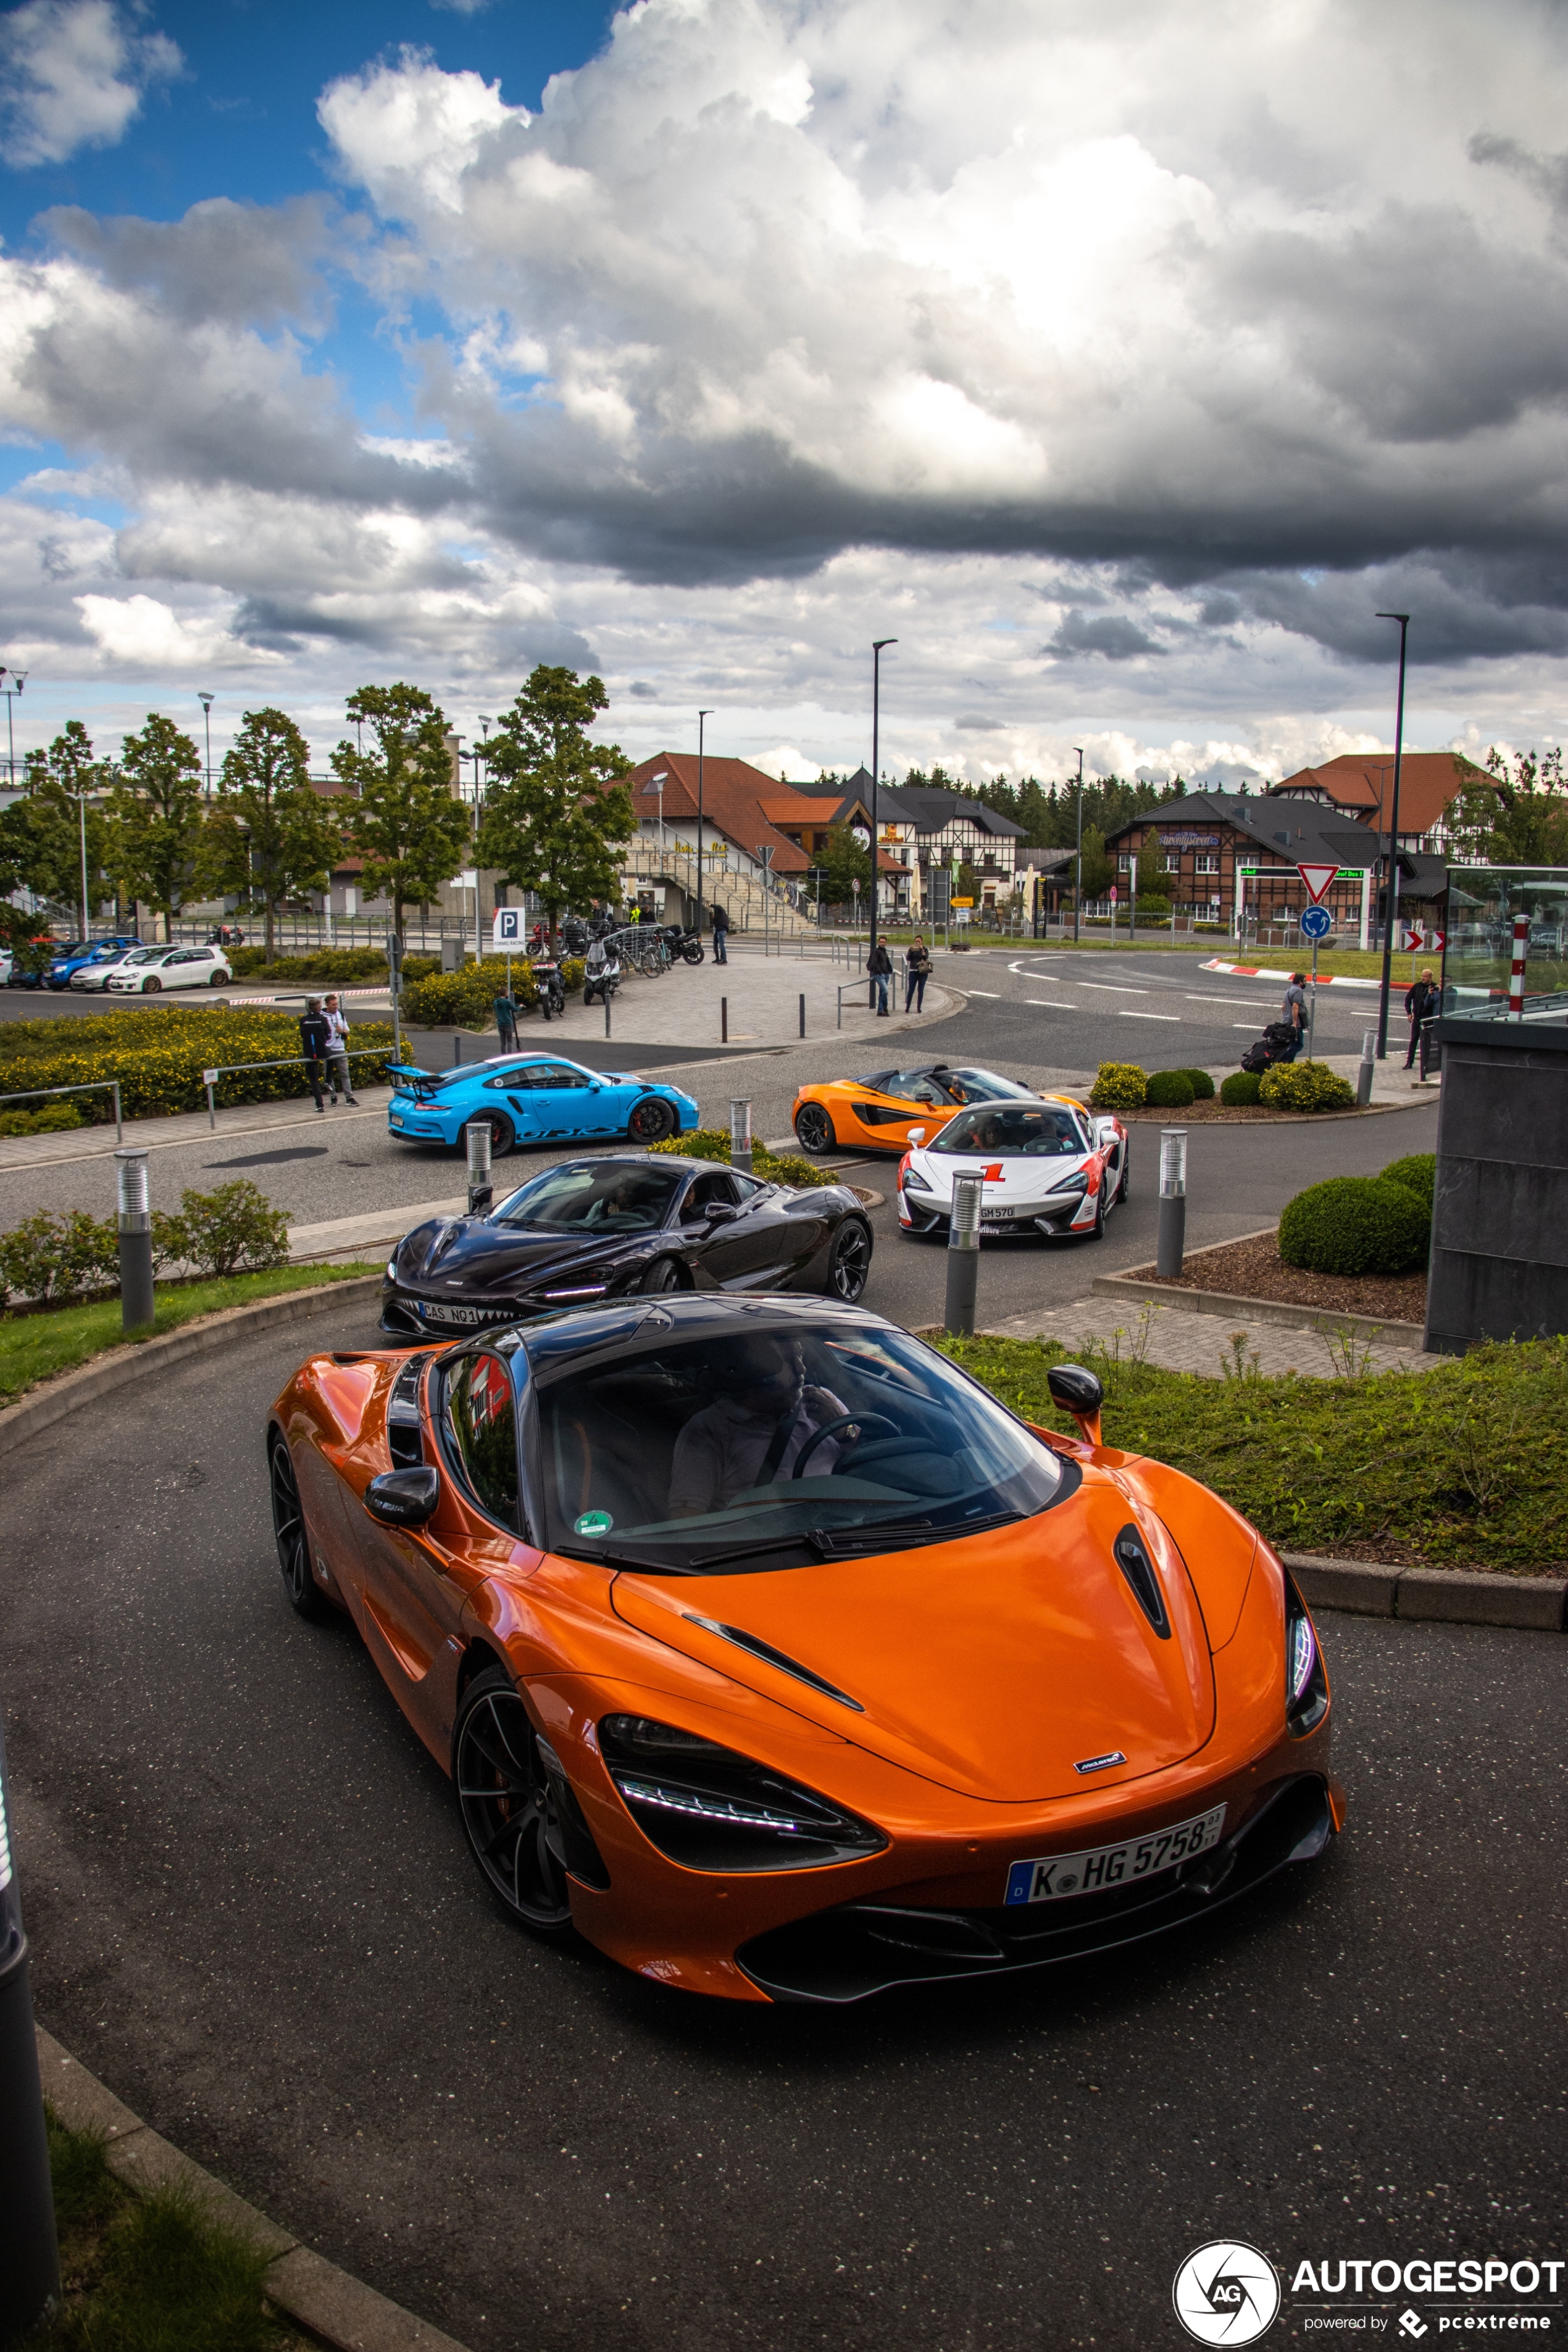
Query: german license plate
[437, 1310]
[1059, 1875]
[995, 1217]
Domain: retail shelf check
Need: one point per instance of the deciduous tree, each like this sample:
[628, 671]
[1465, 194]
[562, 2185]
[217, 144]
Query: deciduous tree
[556, 811]
[271, 838]
[156, 810]
[407, 823]
[41, 833]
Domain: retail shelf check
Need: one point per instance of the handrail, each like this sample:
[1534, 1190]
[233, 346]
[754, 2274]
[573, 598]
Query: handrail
[96, 1086]
[230, 1069]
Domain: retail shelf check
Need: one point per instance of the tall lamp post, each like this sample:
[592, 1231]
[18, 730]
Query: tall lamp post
[876, 769]
[1078, 871]
[1392, 897]
[207, 702]
[11, 691]
[702, 717]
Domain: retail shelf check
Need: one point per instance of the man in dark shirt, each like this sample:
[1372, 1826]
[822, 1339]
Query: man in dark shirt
[1421, 1005]
[315, 1037]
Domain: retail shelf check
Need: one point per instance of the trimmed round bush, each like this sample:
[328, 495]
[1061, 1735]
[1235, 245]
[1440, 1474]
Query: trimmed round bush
[1419, 1174]
[1355, 1224]
[1242, 1087]
[1202, 1084]
[1119, 1086]
[1170, 1090]
[1305, 1086]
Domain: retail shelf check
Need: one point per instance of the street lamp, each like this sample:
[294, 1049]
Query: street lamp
[702, 717]
[657, 785]
[876, 764]
[207, 702]
[1392, 897]
[1078, 876]
[17, 676]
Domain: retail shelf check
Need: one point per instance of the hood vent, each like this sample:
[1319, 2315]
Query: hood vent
[765, 1650]
[1137, 1567]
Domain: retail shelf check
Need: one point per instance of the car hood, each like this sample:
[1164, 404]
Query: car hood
[996, 1664]
[470, 1254]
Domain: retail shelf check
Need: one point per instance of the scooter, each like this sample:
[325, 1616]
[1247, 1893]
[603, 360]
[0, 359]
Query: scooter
[551, 986]
[601, 975]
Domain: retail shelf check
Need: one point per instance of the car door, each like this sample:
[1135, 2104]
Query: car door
[744, 1251]
[564, 1100]
[519, 1098]
[176, 971]
[885, 1117]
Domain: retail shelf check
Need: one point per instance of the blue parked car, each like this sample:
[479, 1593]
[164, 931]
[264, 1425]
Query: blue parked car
[76, 952]
[534, 1098]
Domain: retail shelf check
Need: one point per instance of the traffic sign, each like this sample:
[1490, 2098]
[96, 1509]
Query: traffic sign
[506, 930]
[962, 902]
[1317, 879]
[1316, 922]
[1416, 938]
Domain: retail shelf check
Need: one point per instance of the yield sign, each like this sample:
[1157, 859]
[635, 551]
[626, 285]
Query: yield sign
[1317, 879]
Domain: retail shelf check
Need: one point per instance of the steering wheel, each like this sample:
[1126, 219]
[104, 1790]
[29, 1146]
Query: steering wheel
[832, 1428]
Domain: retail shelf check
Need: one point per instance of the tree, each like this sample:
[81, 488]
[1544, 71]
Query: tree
[841, 863]
[156, 808]
[1153, 882]
[271, 838]
[1098, 873]
[406, 824]
[41, 833]
[1521, 819]
[556, 811]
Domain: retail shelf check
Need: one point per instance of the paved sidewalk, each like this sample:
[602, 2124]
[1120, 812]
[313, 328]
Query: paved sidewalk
[1179, 1342]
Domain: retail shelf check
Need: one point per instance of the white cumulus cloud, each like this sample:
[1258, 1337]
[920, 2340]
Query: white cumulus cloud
[72, 74]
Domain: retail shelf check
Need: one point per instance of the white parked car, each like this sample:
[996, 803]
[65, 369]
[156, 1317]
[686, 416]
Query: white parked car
[148, 970]
[7, 966]
[1048, 1167]
[95, 976]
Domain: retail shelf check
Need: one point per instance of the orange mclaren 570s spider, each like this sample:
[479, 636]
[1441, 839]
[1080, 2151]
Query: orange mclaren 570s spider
[768, 1652]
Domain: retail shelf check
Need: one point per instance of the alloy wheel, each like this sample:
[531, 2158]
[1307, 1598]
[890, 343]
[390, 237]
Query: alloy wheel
[650, 1122]
[814, 1128]
[292, 1536]
[509, 1813]
[662, 1274]
[850, 1266]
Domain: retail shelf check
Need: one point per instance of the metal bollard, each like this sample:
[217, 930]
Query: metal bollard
[29, 2254]
[741, 1135]
[1363, 1077]
[481, 1193]
[963, 1256]
[136, 1301]
[1173, 1202]
[606, 1012]
[723, 1021]
[803, 1016]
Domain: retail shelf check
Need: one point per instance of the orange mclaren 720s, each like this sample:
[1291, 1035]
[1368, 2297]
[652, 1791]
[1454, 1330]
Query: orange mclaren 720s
[768, 1652]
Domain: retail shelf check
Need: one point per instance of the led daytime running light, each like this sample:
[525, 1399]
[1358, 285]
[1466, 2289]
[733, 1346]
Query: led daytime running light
[1303, 1656]
[708, 1808]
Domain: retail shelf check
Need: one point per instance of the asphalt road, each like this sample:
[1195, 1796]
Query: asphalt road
[252, 1915]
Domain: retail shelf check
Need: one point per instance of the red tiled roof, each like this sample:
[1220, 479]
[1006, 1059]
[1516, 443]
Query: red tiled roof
[735, 798]
[1363, 783]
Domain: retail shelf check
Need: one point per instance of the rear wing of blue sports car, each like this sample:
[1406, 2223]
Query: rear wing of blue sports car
[423, 1083]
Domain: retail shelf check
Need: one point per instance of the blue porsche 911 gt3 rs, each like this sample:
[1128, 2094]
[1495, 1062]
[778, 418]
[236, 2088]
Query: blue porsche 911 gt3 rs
[534, 1098]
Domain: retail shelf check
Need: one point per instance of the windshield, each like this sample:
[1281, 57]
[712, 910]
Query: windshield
[1009, 1131]
[605, 1196]
[791, 1444]
[984, 1086]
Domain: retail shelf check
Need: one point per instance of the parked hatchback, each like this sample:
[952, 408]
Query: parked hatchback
[159, 968]
[79, 955]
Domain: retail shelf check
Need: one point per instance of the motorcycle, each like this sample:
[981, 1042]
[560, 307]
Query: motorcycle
[601, 975]
[552, 987]
[678, 940]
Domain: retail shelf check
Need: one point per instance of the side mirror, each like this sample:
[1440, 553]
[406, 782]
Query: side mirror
[1078, 1392]
[403, 1498]
[917, 1135]
[723, 1213]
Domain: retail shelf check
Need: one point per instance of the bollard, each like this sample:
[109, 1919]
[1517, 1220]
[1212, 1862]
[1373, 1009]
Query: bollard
[136, 1302]
[963, 1256]
[29, 2256]
[481, 1193]
[606, 1012]
[456, 1047]
[1363, 1077]
[803, 1015]
[723, 1021]
[1516, 970]
[741, 1135]
[1173, 1202]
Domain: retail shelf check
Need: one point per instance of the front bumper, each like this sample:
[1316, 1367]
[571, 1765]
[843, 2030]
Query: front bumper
[923, 1212]
[857, 1949]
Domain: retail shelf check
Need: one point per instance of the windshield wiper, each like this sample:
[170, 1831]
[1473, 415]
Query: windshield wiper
[887, 1534]
[624, 1559]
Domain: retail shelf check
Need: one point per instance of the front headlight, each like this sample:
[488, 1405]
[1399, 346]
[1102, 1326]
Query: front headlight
[710, 1809]
[913, 1184]
[1306, 1683]
[392, 1267]
[1075, 1177]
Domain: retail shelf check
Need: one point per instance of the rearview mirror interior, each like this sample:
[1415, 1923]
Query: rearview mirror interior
[403, 1498]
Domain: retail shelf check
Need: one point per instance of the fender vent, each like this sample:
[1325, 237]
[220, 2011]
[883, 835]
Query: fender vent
[1139, 1570]
[404, 1442]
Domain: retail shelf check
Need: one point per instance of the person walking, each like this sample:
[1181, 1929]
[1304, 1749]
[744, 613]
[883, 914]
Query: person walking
[338, 1053]
[1293, 1013]
[917, 972]
[504, 1007]
[880, 969]
[1421, 1002]
[721, 934]
[315, 1037]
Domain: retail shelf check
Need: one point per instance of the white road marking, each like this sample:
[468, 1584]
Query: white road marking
[1125, 1012]
[1243, 1024]
[1048, 1005]
[1191, 999]
[981, 991]
[1110, 989]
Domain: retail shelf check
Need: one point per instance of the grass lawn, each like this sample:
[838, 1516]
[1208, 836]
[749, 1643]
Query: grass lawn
[148, 2274]
[1458, 1467]
[32, 1347]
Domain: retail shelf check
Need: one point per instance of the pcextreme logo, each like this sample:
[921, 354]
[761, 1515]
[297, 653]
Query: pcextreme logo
[1226, 2292]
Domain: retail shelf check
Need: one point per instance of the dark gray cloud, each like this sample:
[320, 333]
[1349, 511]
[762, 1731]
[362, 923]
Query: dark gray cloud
[255, 265]
[1114, 636]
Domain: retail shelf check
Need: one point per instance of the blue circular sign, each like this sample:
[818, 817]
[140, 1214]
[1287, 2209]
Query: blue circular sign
[1316, 922]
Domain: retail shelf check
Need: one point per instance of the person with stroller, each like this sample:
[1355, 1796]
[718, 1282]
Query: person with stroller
[1293, 1015]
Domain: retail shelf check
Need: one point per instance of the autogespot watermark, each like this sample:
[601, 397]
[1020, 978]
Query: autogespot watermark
[1229, 2293]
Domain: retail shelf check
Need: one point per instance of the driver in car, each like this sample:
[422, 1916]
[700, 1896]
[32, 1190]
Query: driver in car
[633, 1196]
[753, 1433]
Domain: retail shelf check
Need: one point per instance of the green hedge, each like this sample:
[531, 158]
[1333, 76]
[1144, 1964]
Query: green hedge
[1242, 1087]
[159, 1056]
[336, 967]
[1119, 1086]
[1419, 1174]
[1202, 1084]
[1305, 1086]
[1170, 1090]
[229, 1231]
[466, 999]
[773, 1167]
[54, 1118]
[1356, 1224]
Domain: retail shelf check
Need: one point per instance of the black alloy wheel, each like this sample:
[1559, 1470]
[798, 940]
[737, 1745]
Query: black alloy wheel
[293, 1537]
[849, 1261]
[664, 1274]
[1097, 1231]
[651, 1120]
[507, 1810]
[503, 1135]
[1125, 1186]
[814, 1130]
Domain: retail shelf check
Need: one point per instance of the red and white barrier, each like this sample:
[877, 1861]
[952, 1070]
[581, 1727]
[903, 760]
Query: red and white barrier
[1262, 972]
[1516, 970]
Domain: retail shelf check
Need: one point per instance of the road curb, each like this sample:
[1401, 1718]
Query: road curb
[314, 2293]
[1140, 1288]
[1455, 1596]
[54, 1398]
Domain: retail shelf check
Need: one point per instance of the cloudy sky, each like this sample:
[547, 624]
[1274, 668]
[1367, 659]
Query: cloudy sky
[1119, 358]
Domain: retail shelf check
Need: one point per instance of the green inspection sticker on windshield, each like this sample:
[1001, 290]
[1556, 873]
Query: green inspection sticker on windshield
[593, 1523]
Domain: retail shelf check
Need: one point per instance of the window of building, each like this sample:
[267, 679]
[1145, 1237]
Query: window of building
[1206, 862]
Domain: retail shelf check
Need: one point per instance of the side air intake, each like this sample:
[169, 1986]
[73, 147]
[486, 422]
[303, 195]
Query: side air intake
[1139, 1570]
